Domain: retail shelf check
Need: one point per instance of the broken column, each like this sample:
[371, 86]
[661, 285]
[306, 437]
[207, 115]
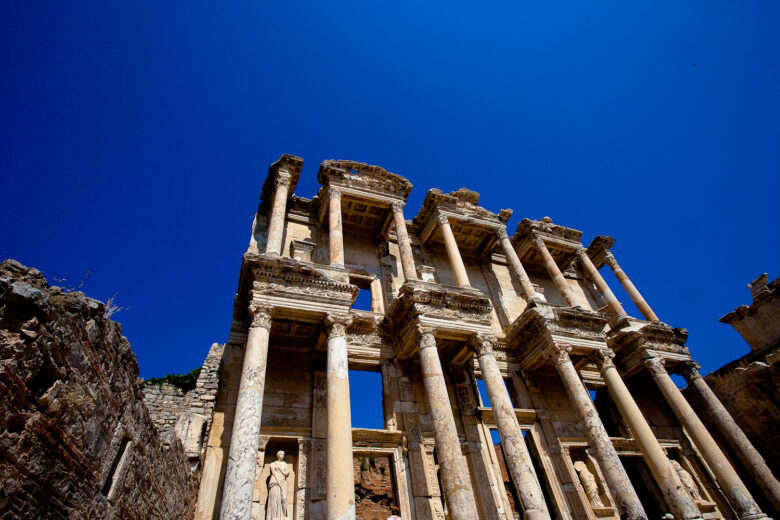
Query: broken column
[626, 499]
[340, 484]
[456, 486]
[242, 457]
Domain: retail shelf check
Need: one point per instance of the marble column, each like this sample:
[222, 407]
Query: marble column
[456, 486]
[516, 268]
[632, 291]
[614, 305]
[675, 495]
[628, 505]
[278, 211]
[518, 459]
[453, 253]
[732, 433]
[377, 303]
[556, 274]
[404, 244]
[335, 235]
[340, 485]
[242, 456]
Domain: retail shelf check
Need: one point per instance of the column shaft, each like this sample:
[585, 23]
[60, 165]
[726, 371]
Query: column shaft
[601, 284]
[273, 244]
[456, 486]
[516, 267]
[518, 459]
[340, 485]
[242, 456]
[729, 480]
[632, 291]
[628, 504]
[336, 237]
[680, 503]
[377, 303]
[557, 276]
[461, 278]
[404, 244]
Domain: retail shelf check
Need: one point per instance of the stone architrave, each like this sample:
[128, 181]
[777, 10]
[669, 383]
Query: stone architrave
[517, 268]
[340, 480]
[729, 480]
[512, 441]
[278, 209]
[456, 486]
[555, 273]
[601, 284]
[242, 457]
[626, 499]
[632, 291]
[461, 278]
[680, 503]
[404, 244]
[335, 234]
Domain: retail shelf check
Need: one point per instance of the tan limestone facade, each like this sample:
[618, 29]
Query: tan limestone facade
[579, 392]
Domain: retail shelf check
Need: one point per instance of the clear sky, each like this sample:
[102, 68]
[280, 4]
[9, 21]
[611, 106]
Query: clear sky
[135, 138]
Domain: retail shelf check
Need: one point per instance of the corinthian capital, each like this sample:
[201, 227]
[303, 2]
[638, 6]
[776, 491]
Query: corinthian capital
[260, 315]
[539, 242]
[501, 232]
[483, 344]
[604, 358]
[283, 178]
[336, 324]
[334, 193]
[609, 258]
[581, 251]
[558, 353]
[397, 206]
[443, 219]
[689, 370]
[655, 366]
[426, 336]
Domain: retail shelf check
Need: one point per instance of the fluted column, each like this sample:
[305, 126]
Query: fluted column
[632, 291]
[555, 273]
[340, 485]
[628, 504]
[516, 268]
[518, 459]
[335, 234]
[676, 496]
[733, 434]
[404, 245]
[273, 244]
[601, 284]
[461, 278]
[242, 456]
[456, 486]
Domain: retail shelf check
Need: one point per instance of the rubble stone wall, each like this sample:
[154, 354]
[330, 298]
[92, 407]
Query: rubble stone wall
[76, 440]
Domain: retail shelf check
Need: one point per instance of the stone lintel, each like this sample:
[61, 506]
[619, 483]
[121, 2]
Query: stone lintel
[290, 164]
[525, 416]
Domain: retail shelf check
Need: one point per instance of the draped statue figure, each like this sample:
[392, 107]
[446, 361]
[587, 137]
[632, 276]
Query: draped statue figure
[276, 508]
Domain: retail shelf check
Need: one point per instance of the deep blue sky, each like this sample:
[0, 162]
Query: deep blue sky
[136, 137]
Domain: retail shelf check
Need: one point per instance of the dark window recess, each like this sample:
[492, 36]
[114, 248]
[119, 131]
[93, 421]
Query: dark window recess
[114, 465]
[363, 301]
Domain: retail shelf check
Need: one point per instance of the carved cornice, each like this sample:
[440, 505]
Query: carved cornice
[364, 177]
[463, 203]
[528, 227]
[544, 319]
[417, 298]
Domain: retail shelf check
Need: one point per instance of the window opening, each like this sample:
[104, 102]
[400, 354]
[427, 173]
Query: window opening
[365, 390]
[483, 394]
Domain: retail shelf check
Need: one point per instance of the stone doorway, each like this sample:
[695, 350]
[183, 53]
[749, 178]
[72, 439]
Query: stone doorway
[375, 493]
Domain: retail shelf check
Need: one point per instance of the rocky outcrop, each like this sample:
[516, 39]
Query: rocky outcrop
[76, 440]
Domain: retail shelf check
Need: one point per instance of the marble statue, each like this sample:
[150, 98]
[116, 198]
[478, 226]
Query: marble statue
[589, 484]
[276, 508]
[687, 481]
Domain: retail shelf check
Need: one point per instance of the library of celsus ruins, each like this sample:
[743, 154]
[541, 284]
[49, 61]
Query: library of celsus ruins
[591, 424]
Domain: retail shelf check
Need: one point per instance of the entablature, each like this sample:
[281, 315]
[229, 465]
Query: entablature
[561, 242]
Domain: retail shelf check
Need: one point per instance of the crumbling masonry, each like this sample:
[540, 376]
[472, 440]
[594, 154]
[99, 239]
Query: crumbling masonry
[455, 297]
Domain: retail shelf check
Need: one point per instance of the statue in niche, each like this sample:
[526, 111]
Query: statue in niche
[589, 484]
[687, 481]
[276, 507]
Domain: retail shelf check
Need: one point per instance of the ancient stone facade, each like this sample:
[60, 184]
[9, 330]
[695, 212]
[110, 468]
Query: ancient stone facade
[76, 440]
[591, 424]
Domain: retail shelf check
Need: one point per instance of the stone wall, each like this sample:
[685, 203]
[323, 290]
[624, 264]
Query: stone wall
[76, 440]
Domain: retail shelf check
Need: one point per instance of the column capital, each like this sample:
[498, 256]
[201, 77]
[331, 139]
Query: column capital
[482, 344]
[260, 315]
[609, 258]
[336, 324]
[580, 250]
[539, 242]
[334, 193]
[397, 206]
[655, 366]
[558, 353]
[604, 358]
[283, 178]
[501, 232]
[426, 336]
[443, 219]
[689, 370]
